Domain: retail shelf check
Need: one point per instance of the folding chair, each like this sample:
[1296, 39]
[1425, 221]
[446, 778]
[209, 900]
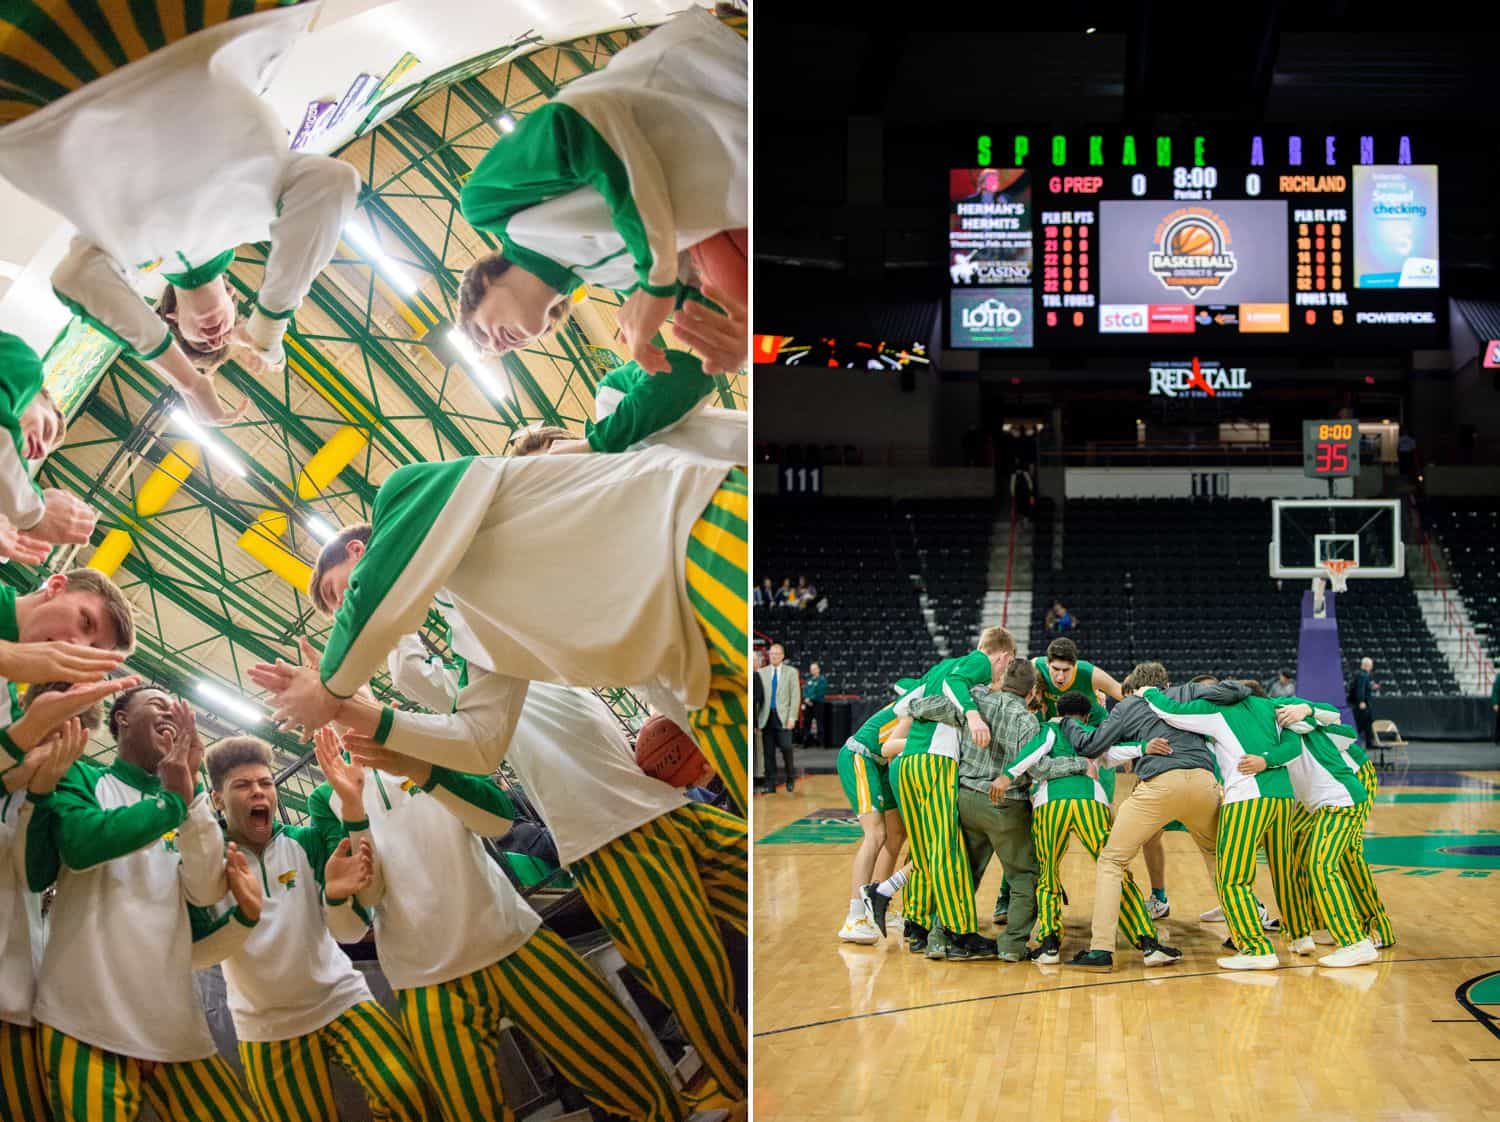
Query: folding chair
[1387, 736]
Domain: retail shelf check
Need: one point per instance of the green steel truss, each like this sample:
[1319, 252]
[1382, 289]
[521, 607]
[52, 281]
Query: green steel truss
[363, 353]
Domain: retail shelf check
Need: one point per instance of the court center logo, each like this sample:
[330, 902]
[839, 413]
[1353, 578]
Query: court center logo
[1192, 254]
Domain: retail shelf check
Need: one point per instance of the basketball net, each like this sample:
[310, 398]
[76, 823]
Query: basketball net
[1338, 577]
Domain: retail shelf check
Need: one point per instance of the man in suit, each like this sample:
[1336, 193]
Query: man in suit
[779, 717]
[758, 759]
[1361, 697]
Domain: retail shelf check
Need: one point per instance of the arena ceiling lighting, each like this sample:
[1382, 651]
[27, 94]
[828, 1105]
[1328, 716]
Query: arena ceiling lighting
[208, 442]
[228, 704]
[319, 528]
[483, 372]
[388, 268]
[506, 123]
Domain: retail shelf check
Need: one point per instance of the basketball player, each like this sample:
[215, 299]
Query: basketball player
[585, 570]
[132, 846]
[84, 92]
[606, 184]
[864, 773]
[656, 869]
[1067, 799]
[34, 426]
[929, 794]
[1239, 723]
[464, 952]
[1327, 785]
[295, 997]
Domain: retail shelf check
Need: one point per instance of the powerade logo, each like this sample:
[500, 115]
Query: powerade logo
[1428, 318]
[991, 318]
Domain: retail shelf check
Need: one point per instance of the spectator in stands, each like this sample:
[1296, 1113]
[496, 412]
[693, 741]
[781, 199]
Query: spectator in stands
[783, 706]
[814, 708]
[1361, 697]
[1285, 684]
[806, 593]
[786, 595]
[1022, 493]
[758, 757]
[1059, 618]
[765, 594]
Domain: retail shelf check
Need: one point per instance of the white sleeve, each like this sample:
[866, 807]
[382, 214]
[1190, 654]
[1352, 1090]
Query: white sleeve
[317, 197]
[223, 942]
[474, 737]
[201, 845]
[344, 922]
[1120, 754]
[92, 284]
[20, 498]
[422, 676]
[475, 818]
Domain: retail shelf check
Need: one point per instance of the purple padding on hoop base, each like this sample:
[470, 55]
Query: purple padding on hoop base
[1320, 664]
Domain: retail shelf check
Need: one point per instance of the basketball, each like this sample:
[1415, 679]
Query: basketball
[1192, 240]
[664, 751]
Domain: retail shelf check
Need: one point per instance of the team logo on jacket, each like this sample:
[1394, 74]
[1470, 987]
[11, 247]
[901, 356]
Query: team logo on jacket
[288, 878]
[169, 839]
[1192, 251]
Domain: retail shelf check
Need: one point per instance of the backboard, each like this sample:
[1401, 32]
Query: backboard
[1306, 532]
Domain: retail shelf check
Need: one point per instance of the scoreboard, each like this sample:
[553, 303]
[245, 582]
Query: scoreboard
[1330, 449]
[1255, 241]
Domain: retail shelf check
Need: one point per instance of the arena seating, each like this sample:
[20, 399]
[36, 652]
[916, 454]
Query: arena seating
[1157, 579]
[872, 559]
[1469, 534]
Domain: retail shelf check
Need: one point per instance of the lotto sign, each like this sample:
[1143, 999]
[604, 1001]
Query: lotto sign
[991, 317]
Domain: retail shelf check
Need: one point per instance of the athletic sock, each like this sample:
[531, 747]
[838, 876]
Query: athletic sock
[1159, 894]
[892, 885]
[856, 910]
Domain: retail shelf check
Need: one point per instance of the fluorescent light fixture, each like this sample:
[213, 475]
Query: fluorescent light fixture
[319, 528]
[388, 268]
[1090, 30]
[227, 704]
[506, 123]
[490, 380]
[208, 442]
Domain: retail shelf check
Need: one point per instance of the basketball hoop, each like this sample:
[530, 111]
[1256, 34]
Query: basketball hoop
[1338, 572]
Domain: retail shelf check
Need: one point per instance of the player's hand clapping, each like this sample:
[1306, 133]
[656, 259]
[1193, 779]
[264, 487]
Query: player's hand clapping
[244, 885]
[349, 871]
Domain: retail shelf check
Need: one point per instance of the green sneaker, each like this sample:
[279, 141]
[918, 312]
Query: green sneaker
[1101, 961]
[937, 943]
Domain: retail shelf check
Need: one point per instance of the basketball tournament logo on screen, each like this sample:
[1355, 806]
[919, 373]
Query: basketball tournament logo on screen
[989, 226]
[1193, 252]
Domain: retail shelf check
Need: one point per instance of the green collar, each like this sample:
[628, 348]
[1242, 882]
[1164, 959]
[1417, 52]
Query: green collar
[10, 631]
[196, 276]
[132, 776]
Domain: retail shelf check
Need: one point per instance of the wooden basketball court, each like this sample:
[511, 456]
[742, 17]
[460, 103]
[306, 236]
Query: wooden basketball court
[844, 1031]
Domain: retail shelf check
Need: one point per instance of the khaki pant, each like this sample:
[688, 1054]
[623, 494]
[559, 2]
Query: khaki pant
[1004, 830]
[1190, 795]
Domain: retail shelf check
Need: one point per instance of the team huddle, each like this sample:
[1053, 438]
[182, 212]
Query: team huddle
[988, 754]
[615, 559]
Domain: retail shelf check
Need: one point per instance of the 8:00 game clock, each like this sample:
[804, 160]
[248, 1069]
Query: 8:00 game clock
[1330, 449]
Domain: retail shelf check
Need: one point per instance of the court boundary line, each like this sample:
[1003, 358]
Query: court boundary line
[1460, 995]
[1091, 986]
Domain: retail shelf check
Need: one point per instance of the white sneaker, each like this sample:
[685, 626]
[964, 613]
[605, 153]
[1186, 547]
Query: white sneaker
[1157, 909]
[1379, 945]
[860, 931]
[1213, 915]
[1356, 954]
[1303, 945]
[1322, 938]
[1250, 962]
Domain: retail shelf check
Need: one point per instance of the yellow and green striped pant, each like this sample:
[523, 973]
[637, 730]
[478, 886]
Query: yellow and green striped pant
[718, 570]
[1243, 828]
[916, 899]
[658, 891]
[289, 1079]
[88, 1084]
[1052, 824]
[49, 48]
[23, 1098]
[1356, 869]
[552, 996]
[929, 790]
[1334, 831]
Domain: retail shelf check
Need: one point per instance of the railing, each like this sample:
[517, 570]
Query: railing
[1010, 560]
[1471, 654]
[1156, 453]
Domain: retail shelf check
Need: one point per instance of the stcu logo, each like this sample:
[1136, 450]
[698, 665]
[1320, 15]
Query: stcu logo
[1123, 319]
[1192, 251]
[992, 315]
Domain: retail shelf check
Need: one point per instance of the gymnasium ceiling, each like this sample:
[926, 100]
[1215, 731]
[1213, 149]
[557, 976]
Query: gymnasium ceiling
[372, 383]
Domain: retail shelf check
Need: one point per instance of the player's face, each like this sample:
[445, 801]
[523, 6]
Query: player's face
[335, 579]
[71, 617]
[1060, 672]
[41, 428]
[147, 724]
[249, 800]
[207, 319]
[513, 313]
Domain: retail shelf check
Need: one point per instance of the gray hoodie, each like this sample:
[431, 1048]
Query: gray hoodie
[1133, 719]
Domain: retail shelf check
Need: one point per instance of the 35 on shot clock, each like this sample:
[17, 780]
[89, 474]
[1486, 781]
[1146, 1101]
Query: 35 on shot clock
[1330, 449]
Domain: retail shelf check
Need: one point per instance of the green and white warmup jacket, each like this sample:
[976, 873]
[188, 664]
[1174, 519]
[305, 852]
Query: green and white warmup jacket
[567, 569]
[633, 409]
[22, 930]
[955, 679]
[287, 977]
[1233, 731]
[20, 379]
[567, 748]
[1324, 774]
[129, 858]
[441, 907]
[1047, 745]
[197, 165]
[627, 167]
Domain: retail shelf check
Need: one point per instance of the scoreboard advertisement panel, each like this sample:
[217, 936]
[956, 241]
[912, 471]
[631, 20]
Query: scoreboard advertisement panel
[1255, 241]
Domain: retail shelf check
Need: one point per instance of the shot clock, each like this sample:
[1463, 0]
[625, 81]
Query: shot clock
[1330, 449]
